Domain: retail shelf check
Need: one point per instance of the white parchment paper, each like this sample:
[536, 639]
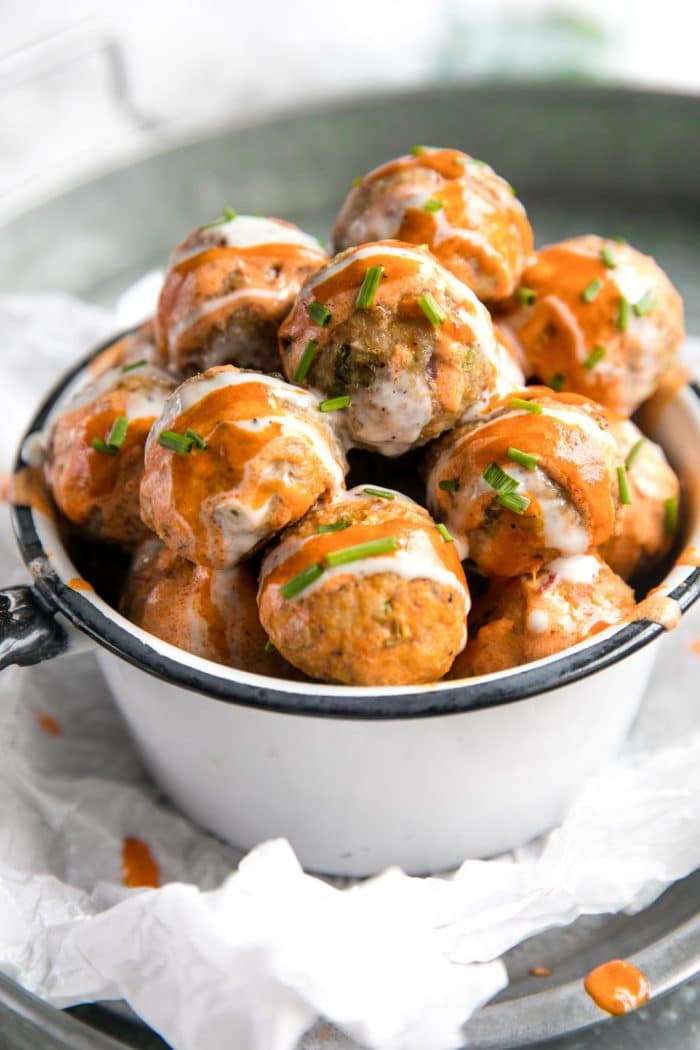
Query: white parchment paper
[248, 952]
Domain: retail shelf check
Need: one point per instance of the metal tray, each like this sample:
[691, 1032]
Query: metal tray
[583, 159]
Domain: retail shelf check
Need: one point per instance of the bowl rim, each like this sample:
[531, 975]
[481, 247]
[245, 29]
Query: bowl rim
[163, 661]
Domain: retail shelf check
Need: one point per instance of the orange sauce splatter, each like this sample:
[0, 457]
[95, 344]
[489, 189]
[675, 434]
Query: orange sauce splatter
[658, 608]
[695, 646]
[77, 583]
[325, 1032]
[48, 723]
[4, 488]
[139, 867]
[28, 489]
[540, 971]
[617, 986]
[689, 556]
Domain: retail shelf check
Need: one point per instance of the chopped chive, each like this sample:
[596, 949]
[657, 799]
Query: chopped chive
[307, 358]
[497, 478]
[333, 404]
[102, 446]
[625, 496]
[525, 459]
[175, 442]
[134, 364]
[634, 452]
[432, 205]
[513, 501]
[361, 550]
[194, 437]
[228, 215]
[417, 150]
[608, 257]
[335, 526]
[557, 382]
[528, 406]
[299, 583]
[622, 320]
[368, 288]
[357, 181]
[269, 647]
[115, 438]
[445, 533]
[449, 485]
[645, 305]
[432, 310]
[526, 296]
[590, 292]
[319, 313]
[671, 515]
[513, 190]
[619, 238]
[481, 163]
[596, 355]
[380, 493]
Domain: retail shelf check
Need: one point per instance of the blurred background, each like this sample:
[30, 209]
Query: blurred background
[93, 84]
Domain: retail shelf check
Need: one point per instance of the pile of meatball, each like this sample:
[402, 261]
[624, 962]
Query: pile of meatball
[444, 357]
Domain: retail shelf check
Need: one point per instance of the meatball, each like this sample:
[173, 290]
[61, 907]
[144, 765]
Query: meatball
[407, 346]
[598, 318]
[366, 590]
[209, 612]
[95, 451]
[533, 616]
[646, 525]
[537, 479]
[234, 457]
[229, 286]
[466, 213]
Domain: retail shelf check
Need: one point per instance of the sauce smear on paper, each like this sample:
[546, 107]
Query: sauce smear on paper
[139, 867]
[617, 987]
[48, 723]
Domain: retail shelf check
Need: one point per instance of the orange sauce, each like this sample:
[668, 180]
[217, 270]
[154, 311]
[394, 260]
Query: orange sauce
[351, 276]
[28, 489]
[617, 987]
[658, 608]
[689, 556]
[50, 725]
[540, 971]
[5, 482]
[76, 583]
[695, 646]
[139, 867]
[262, 253]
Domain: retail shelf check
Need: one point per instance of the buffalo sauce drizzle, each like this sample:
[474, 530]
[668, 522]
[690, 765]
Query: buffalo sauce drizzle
[617, 987]
[28, 489]
[139, 866]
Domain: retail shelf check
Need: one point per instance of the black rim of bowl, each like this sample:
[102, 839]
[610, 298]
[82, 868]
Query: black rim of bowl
[431, 700]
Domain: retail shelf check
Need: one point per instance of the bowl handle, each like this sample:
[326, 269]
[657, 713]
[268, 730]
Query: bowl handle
[29, 632]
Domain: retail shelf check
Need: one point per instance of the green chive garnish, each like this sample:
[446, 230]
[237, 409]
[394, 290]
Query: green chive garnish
[357, 181]
[417, 150]
[380, 493]
[368, 288]
[526, 296]
[194, 437]
[645, 305]
[134, 364]
[269, 647]
[335, 526]
[513, 190]
[101, 446]
[513, 501]
[619, 238]
[432, 310]
[179, 443]
[622, 320]
[590, 292]
[608, 257]
[634, 452]
[307, 358]
[432, 205]
[228, 215]
[597, 354]
[497, 478]
[557, 382]
[333, 404]
[671, 515]
[361, 550]
[445, 533]
[299, 583]
[449, 485]
[525, 459]
[319, 313]
[528, 406]
[625, 496]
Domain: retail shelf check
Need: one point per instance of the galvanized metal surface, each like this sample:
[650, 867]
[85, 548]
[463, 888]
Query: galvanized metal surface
[583, 159]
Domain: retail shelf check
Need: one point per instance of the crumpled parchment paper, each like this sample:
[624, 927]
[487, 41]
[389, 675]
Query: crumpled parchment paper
[249, 952]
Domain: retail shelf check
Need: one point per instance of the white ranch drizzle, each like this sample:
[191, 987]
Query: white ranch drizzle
[581, 568]
[392, 413]
[248, 231]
